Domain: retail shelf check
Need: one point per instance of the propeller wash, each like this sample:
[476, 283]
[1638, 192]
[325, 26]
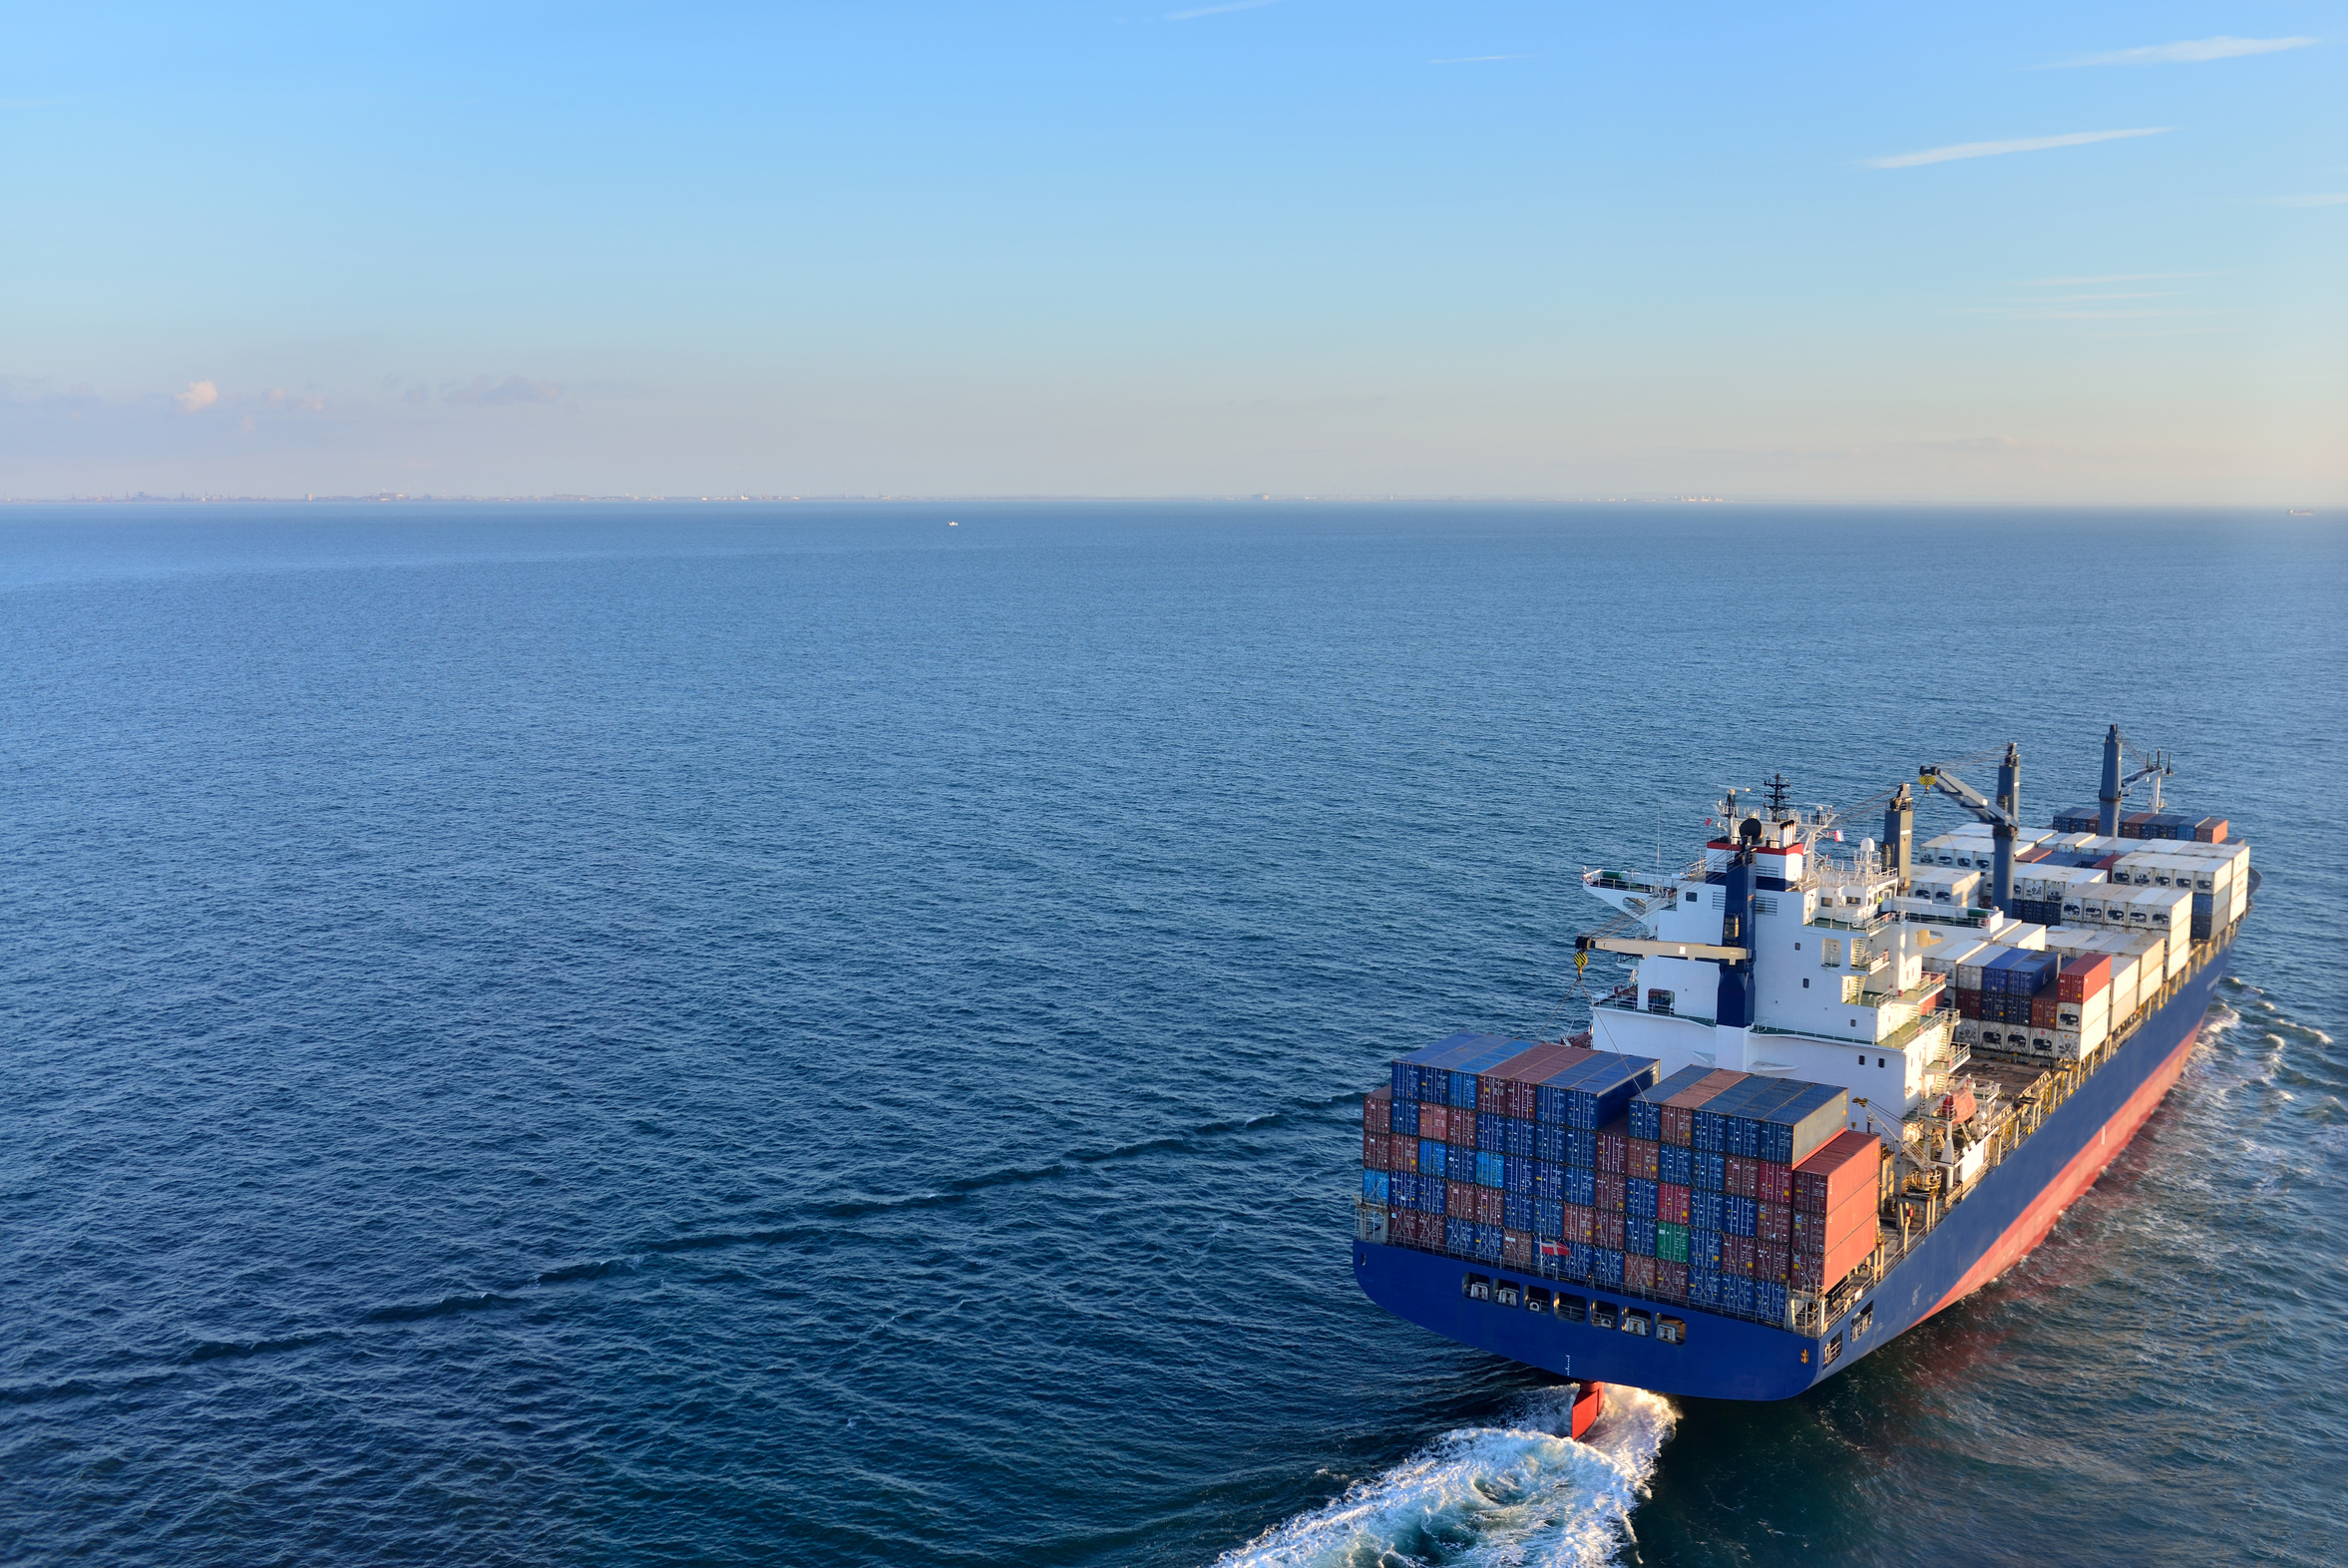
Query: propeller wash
[1841, 1089]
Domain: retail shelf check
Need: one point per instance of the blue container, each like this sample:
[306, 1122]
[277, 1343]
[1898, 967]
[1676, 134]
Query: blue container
[1741, 1214]
[1548, 1181]
[1735, 1293]
[1639, 1198]
[1433, 1195]
[1433, 1158]
[1676, 1165]
[1459, 1237]
[1606, 1267]
[1646, 1118]
[1801, 1123]
[1710, 1170]
[1405, 1187]
[1581, 1186]
[1373, 1187]
[1704, 1287]
[1581, 1148]
[1704, 1252]
[1491, 1170]
[1492, 1134]
[1639, 1236]
[1405, 1118]
[1548, 1143]
[1768, 1299]
[1487, 1243]
[1520, 1139]
[1516, 1211]
[1521, 1176]
[1591, 1094]
[1706, 1211]
[1574, 1264]
[1548, 1218]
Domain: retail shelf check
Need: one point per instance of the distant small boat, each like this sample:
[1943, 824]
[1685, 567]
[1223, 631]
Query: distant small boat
[2301, 512]
[950, 522]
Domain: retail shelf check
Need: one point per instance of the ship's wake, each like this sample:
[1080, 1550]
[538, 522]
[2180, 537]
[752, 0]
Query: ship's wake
[1514, 1493]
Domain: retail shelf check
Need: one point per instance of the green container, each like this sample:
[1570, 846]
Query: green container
[1671, 1243]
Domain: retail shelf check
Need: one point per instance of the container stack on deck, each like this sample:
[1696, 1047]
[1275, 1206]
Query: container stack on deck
[1724, 1190]
[1479, 1145]
[2119, 919]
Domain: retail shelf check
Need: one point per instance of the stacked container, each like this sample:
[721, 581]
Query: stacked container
[1488, 1142]
[1711, 1155]
[1836, 1195]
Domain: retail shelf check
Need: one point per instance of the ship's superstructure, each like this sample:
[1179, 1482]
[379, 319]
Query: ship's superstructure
[1989, 1015]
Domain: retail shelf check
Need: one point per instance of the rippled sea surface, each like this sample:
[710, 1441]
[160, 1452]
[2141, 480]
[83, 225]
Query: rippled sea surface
[807, 1036]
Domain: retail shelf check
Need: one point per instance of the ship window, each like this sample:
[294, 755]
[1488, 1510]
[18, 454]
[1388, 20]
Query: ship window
[1866, 1321]
[1572, 1308]
[1834, 1349]
[1536, 1299]
[1476, 1287]
[1805, 982]
[1636, 1321]
[1602, 1315]
[1672, 1330]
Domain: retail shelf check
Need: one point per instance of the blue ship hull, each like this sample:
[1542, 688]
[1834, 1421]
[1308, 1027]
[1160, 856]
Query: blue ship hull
[1726, 1357]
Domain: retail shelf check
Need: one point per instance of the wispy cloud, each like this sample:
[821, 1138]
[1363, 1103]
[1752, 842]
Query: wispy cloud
[2107, 278]
[2333, 199]
[514, 389]
[2193, 51]
[199, 395]
[1216, 10]
[2029, 144]
[1477, 59]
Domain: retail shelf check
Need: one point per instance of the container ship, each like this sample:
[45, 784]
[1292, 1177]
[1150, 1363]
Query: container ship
[1844, 1086]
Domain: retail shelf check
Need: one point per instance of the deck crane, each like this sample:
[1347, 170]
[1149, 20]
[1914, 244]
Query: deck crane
[2004, 815]
[2155, 767]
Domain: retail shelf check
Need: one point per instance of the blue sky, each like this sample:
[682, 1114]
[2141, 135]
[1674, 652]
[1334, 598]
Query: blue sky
[1304, 246]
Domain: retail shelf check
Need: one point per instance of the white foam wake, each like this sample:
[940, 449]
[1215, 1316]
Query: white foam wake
[1515, 1493]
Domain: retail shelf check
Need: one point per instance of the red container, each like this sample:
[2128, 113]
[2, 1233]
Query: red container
[2042, 1010]
[1848, 1163]
[1401, 1153]
[1610, 1195]
[1614, 1149]
[1818, 1234]
[1641, 1158]
[1516, 1248]
[1461, 1129]
[1607, 1230]
[2083, 977]
[1736, 1254]
[2210, 830]
[1434, 1121]
[1377, 1111]
[1772, 1183]
[1772, 1263]
[1374, 1151]
[1638, 1275]
[1823, 1273]
[1671, 1280]
[1968, 1005]
[1738, 1177]
[1581, 1225]
[1459, 1198]
[1775, 1227]
[1490, 1203]
[1677, 1113]
[1671, 1204]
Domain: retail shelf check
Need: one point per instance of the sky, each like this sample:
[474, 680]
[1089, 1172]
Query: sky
[2095, 254]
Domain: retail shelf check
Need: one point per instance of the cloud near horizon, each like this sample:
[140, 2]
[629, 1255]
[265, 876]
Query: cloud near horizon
[2194, 51]
[2032, 143]
[1216, 10]
[199, 396]
[514, 389]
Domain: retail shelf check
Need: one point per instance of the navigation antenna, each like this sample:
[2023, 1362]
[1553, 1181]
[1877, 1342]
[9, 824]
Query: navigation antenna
[1777, 798]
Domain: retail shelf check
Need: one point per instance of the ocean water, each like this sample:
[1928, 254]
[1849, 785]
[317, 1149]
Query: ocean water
[803, 1034]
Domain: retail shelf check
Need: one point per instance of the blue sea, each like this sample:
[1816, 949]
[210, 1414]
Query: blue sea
[803, 1034]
